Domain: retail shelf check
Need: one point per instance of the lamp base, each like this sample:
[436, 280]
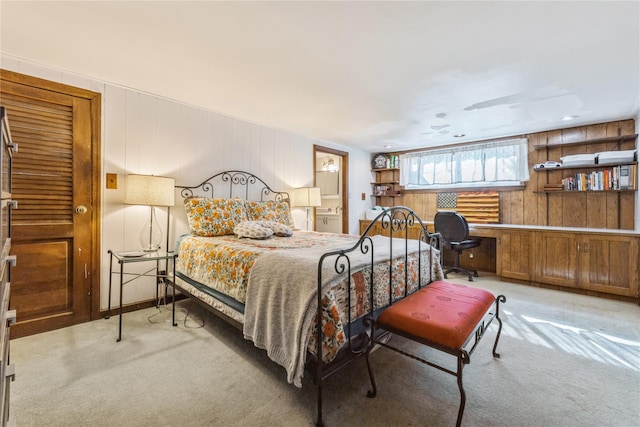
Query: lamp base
[307, 226]
[151, 234]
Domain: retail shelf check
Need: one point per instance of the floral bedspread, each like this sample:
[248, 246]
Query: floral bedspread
[224, 264]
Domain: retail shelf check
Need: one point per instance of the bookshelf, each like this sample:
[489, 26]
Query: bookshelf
[386, 179]
[386, 186]
[623, 177]
[592, 177]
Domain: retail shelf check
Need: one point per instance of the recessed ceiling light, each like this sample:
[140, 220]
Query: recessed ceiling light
[388, 146]
[566, 118]
[458, 135]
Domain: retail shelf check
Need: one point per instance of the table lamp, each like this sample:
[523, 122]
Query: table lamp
[307, 197]
[152, 191]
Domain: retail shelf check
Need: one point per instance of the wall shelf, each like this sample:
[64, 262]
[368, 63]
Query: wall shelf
[620, 138]
[592, 177]
[582, 191]
[592, 166]
[389, 178]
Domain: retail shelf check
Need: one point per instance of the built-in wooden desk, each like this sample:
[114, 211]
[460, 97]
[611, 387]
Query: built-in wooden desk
[592, 261]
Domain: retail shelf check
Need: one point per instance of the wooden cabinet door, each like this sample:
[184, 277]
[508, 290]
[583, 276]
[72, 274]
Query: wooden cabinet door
[328, 223]
[609, 264]
[556, 259]
[514, 255]
[363, 226]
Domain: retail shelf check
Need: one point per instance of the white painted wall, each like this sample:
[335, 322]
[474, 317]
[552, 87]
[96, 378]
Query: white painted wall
[146, 134]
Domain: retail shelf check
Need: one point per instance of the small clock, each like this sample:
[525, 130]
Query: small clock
[380, 161]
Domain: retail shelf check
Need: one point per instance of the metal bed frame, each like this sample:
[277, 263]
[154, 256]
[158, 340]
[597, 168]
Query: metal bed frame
[396, 223]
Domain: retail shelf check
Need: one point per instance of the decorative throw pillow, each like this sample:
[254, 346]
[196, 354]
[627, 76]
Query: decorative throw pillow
[270, 210]
[213, 217]
[252, 230]
[261, 229]
[278, 229]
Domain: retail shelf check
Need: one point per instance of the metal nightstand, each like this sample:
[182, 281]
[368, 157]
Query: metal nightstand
[165, 275]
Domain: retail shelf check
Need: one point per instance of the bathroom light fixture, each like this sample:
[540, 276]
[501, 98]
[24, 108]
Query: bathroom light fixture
[329, 166]
[458, 135]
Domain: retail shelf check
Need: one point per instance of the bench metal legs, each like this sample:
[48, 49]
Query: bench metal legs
[462, 355]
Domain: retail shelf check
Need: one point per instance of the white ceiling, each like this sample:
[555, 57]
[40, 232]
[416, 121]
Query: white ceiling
[362, 74]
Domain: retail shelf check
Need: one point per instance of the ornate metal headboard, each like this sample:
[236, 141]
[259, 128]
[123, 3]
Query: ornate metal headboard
[234, 184]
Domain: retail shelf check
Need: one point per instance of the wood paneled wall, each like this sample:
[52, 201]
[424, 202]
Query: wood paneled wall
[531, 206]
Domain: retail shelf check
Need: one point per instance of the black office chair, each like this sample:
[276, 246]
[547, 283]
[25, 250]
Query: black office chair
[455, 235]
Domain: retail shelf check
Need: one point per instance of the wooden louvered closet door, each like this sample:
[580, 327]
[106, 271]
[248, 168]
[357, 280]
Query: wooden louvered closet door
[53, 179]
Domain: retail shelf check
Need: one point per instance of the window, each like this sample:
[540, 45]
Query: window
[489, 164]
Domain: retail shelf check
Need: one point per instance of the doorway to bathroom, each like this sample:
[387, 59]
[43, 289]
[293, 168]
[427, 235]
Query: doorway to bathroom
[331, 171]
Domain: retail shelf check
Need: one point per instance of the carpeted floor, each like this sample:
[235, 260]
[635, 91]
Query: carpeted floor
[567, 360]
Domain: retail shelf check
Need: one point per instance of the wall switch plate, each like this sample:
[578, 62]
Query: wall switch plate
[112, 181]
[364, 196]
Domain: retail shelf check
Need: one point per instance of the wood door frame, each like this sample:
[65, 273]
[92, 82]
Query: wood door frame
[95, 100]
[344, 177]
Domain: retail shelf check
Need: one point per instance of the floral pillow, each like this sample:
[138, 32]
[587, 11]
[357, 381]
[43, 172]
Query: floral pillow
[213, 217]
[270, 210]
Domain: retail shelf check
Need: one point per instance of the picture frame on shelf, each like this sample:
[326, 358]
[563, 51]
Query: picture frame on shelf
[380, 161]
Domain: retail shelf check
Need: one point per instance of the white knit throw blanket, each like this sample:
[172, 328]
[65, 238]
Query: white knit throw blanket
[282, 298]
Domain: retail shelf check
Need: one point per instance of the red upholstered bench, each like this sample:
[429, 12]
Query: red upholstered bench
[446, 316]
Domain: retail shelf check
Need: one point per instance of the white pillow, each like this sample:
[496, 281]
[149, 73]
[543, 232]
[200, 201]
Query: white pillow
[279, 229]
[252, 230]
[261, 229]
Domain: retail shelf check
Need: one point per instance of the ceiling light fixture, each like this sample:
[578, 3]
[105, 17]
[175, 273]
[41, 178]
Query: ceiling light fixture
[567, 118]
[329, 166]
[458, 135]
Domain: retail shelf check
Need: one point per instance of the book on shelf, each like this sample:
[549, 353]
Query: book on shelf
[623, 177]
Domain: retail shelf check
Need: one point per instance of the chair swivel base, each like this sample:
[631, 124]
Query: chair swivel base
[469, 273]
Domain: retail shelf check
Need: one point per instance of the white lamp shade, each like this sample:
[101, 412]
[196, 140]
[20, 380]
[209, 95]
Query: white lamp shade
[307, 197]
[149, 190]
